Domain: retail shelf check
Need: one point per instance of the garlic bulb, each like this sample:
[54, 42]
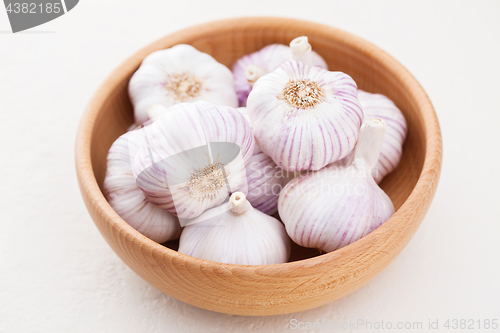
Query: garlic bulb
[265, 179]
[305, 117]
[241, 235]
[252, 66]
[126, 197]
[194, 155]
[335, 206]
[265, 182]
[379, 106]
[180, 74]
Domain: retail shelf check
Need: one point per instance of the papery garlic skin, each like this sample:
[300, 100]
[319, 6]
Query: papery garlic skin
[128, 200]
[305, 117]
[265, 179]
[241, 235]
[174, 168]
[379, 106]
[267, 60]
[336, 206]
[179, 74]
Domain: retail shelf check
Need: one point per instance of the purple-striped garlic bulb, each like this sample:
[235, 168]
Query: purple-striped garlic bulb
[333, 207]
[126, 197]
[193, 156]
[176, 75]
[248, 69]
[305, 117]
[241, 235]
[380, 106]
[265, 179]
[265, 182]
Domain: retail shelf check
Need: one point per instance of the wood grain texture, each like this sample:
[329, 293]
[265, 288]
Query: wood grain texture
[283, 288]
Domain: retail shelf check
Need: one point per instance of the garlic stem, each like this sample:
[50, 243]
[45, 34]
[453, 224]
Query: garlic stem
[253, 73]
[301, 49]
[239, 203]
[371, 138]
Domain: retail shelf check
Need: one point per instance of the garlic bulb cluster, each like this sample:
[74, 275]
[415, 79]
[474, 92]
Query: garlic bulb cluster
[241, 235]
[336, 206]
[251, 67]
[305, 117]
[126, 197]
[194, 155]
[308, 145]
[180, 74]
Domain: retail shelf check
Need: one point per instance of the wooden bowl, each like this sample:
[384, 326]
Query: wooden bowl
[297, 285]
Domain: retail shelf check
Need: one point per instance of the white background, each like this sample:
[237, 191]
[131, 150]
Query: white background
[57, 274]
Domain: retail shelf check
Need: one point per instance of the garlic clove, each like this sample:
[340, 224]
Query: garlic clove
[333, 207]
[305, 117]
[251, 67]
[241, 235]
[179, 74]
[193, 156]
[128, 200]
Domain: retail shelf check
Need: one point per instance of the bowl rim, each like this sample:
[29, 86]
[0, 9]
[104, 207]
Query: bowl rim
[426, 183]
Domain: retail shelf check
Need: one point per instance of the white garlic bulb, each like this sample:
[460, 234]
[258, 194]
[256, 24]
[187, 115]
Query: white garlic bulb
[251, 67]
[379, 106]
[265, 182]
[305, 117]
[335, 206]
[241, 235]
[265, 179]
[180, 74]
[194, 155]
[126, 197]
